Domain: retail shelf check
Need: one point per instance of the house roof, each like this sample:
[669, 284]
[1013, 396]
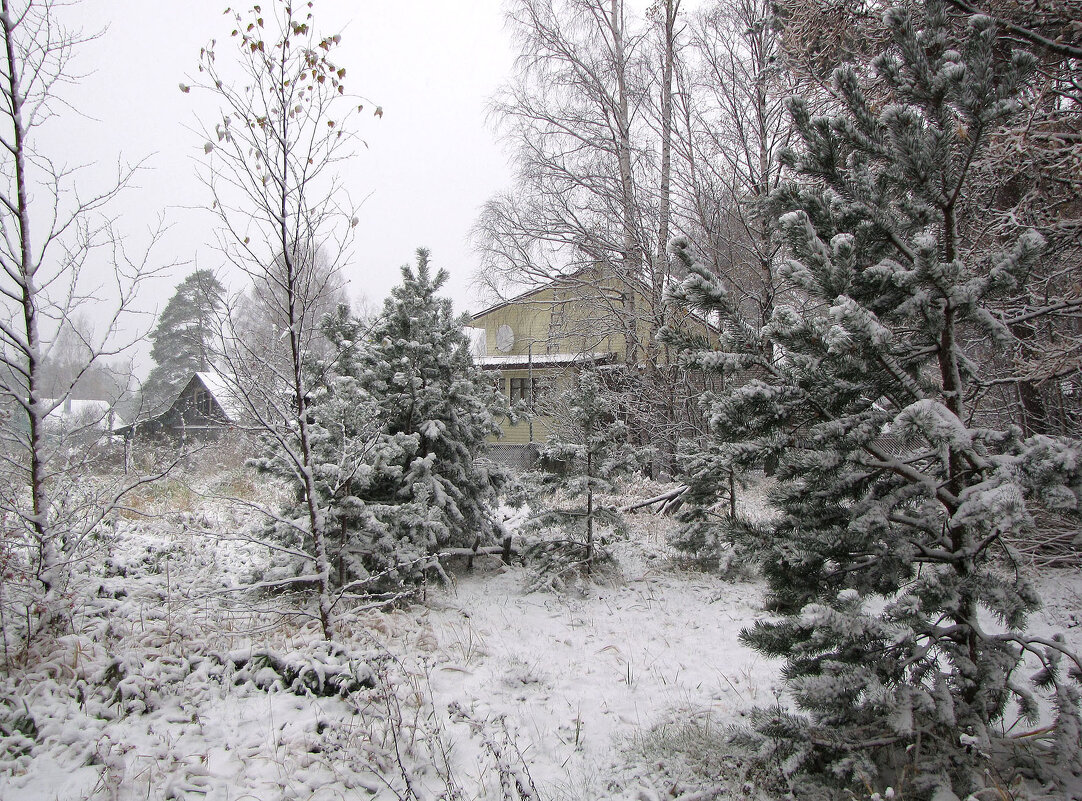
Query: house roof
[79, 411]
[223, 393]
[543, 359]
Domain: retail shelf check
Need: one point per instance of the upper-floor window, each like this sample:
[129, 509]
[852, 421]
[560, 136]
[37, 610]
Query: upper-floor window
[202, 402]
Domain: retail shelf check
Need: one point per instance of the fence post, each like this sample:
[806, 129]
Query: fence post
[469, 559]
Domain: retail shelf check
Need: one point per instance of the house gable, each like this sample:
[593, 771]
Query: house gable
[573, 315]
[201, 408]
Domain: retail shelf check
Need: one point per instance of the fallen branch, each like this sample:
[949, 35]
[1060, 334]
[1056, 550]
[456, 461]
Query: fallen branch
[495, 550]
[504, 551]
[665, 499]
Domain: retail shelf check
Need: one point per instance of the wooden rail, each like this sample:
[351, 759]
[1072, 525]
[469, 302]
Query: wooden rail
[505, 551]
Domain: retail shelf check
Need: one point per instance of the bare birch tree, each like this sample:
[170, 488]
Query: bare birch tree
[568, 116]
[734, 126]
[273, 149]
[62, 261]
[1033, 177]
[589, 118]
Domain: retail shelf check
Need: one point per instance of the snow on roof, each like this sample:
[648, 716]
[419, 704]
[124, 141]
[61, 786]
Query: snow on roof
[76, 407]
[223, 393]
[543, 359]
[75, 411]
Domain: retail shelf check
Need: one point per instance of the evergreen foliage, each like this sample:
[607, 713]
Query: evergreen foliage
[346, 450]
[181, 342]
[425, 480]
[901, 606]
[586, 450]
[710, 466]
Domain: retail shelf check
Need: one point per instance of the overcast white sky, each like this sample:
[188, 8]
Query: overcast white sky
[431, 160]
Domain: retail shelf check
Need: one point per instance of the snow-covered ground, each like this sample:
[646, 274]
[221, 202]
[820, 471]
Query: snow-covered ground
[581, 678]
[172, 685]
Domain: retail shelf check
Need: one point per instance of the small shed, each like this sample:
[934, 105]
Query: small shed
[79, 414]
[205, 408]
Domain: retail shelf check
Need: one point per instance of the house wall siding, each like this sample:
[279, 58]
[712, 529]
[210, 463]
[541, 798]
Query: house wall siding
[550, 380]
[580, 316]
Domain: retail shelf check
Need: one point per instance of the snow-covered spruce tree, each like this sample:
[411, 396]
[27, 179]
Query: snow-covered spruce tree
[429, 486]
[902, 610]
[586, 450]
[183, 339]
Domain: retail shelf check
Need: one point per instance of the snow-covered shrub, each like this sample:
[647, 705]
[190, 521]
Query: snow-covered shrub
[324, 670]
[18, 733]
[712, 505]
[124, 684]
[695, 757]
[559, 564]
[586, 451]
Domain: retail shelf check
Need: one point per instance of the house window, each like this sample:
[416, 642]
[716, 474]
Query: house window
[520, 391]
[202, 402]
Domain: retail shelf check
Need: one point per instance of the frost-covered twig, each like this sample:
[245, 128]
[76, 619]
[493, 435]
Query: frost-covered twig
[515, 779]
[251, 540]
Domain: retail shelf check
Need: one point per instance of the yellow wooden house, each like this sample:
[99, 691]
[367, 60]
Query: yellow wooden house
[534, 343]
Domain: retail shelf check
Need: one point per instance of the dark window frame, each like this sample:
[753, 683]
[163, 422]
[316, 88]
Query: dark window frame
[520, 389]
[202, 402]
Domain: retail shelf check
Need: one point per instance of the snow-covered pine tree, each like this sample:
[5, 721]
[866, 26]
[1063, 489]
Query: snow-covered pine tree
[430, 487]
[902, 607]
[708, 465]
[182, 341]
[586, 450]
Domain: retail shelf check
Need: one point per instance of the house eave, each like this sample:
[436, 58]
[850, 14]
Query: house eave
[543, 360]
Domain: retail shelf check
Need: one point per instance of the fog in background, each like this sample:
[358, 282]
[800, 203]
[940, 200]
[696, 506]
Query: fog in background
[426, 166]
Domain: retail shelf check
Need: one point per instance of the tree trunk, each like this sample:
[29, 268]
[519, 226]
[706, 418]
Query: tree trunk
[632, 262]
[48, 558]
[589, 510]
[672, 8]
[294, 300]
